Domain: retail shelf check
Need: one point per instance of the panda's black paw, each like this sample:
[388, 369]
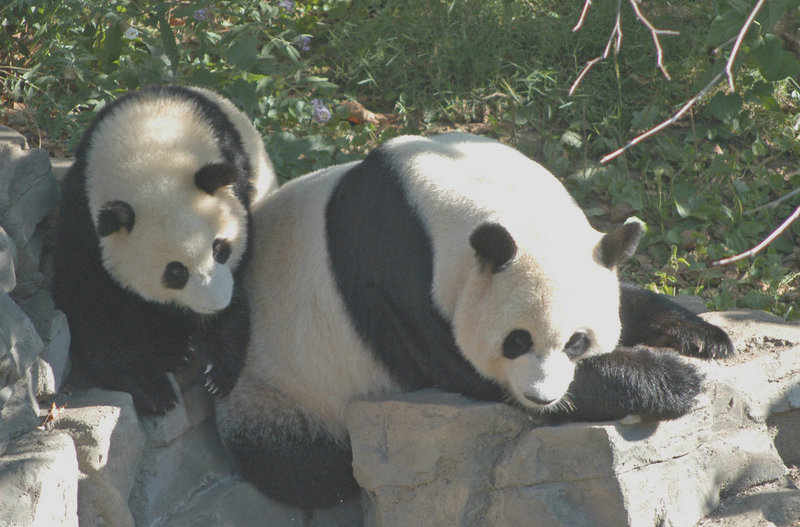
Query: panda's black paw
[152, 394]
[218, 380]
[654, 384]
[698, 338]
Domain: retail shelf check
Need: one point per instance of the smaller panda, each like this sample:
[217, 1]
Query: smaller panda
[153, 234]
[455, 262]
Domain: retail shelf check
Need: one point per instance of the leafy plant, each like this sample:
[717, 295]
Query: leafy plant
[500, 67]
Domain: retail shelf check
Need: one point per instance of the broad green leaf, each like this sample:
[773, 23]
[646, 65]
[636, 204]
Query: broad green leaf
[773, 61]
[725, 106]
[243, 51]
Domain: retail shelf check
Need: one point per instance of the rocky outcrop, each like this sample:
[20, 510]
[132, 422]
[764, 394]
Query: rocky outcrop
[423, 458]
[446, 460]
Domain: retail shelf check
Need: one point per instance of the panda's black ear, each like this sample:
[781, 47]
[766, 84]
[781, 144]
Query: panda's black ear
[215, 175]
[619, 245]
[494, 246]
[113, 216]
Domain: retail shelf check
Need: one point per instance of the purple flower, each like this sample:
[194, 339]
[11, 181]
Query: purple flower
[321, 113]
[303, 42]
[200, 14]
[287, 5]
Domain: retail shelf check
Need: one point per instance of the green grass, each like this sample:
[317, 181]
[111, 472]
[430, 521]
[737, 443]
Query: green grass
[500, 67]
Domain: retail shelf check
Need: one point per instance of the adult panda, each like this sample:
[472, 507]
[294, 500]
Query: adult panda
[452, 261]
[153, 233]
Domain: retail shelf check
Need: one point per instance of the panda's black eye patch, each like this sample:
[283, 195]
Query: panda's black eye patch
[577, 345]
[175, 276]
[518, 342]
[221, 250]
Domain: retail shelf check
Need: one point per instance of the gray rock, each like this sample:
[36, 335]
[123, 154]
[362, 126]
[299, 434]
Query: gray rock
[30, 278]
[11, 136]
[786, 426]
[772, 504]
[52, 366]
[19, 412]
[28, 190]
[230, 501]
[183, 456]
[110, 446]
[8, 259]
[440, 459]
[171, 473]
[39, 481]
[20, 344]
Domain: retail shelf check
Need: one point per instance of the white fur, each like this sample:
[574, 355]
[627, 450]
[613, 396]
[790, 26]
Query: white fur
[303, 346]
[146, 153]
[552, 289]
[304, 352]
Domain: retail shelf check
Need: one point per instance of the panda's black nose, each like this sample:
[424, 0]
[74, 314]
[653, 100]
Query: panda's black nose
[536, 397]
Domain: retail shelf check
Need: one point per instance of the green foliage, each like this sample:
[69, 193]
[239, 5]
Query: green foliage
[501, 67]
[67, 58]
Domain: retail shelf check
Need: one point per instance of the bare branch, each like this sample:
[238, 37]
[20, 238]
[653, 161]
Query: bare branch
[655, 33]
[739, 39]
[586, 7]
[615, 37]
[777, 232]
[773, 204]
[672, 120]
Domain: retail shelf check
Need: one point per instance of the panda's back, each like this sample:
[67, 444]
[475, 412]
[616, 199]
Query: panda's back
[301, 329]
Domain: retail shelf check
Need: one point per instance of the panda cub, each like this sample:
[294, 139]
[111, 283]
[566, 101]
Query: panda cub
[153, 234]
[454, 262]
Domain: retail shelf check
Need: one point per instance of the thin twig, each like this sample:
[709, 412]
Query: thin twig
[777, 232]
[685, 108]
[727, 71]
[586, 7]
[616, 36]
[773, 204]
[739, 39]
[655, 33]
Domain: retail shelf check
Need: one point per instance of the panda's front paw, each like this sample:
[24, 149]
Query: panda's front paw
[698, 338]
[654, 384]
[152, 393]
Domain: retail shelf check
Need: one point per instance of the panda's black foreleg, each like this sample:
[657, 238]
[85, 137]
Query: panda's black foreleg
[651, 319]
[220, 344]
[654, 384]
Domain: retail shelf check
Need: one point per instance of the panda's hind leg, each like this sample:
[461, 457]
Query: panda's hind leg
[285, 452]
[653, 320]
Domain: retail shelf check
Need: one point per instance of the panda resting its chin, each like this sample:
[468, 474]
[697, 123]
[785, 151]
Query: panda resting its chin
[152, 238]
[454, 262]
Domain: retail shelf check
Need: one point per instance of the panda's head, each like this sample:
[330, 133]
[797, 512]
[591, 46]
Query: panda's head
[179, 244]
[525, 318]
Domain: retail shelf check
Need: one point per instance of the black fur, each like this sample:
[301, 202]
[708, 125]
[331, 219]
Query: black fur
[215, 175]
[619, 245]
[655, 384]
[494, 246]
[119, 340]
[113, 216]
[381, 258]
[648, 318]
[294, 460]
